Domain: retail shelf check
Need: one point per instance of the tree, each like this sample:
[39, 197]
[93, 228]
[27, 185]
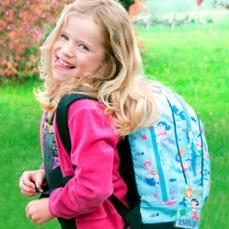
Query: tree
[22, 26]
[127, 3]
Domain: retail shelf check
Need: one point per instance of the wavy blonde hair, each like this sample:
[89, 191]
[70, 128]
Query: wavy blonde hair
[118, 83]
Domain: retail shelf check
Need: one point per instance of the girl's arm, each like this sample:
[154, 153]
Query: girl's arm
[93, 146]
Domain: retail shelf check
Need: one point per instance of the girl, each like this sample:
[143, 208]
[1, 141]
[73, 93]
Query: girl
[92, 50]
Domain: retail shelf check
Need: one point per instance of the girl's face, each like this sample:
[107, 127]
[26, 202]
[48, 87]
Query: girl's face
[79, 50]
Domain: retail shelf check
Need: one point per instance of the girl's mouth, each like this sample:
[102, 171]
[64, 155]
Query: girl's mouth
[62, 64]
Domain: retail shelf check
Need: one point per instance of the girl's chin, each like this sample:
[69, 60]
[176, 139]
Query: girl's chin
[62, 76]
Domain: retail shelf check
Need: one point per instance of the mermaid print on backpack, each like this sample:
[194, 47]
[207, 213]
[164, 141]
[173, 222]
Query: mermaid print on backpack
[171, 162]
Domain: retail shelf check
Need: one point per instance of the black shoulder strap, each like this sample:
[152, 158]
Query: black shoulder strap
[131, 217]
[61, 118]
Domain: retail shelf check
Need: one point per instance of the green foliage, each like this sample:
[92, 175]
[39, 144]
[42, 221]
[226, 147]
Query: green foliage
[191, 60]
[126, 3]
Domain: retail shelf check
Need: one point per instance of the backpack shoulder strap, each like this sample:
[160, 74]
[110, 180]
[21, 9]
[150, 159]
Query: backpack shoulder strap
[61, 118]
[62, 125]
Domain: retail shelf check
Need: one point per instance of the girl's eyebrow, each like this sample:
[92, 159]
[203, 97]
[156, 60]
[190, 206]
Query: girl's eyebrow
[64, 31]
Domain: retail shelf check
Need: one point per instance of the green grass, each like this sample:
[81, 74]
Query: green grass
[192, 60]
[19, 144]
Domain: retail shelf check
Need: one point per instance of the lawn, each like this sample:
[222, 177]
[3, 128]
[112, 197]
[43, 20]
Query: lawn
[192, 60]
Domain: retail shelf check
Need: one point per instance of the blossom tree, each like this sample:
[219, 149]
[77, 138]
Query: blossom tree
[22, 26]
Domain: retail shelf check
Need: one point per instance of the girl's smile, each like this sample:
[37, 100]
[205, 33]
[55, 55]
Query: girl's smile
[62, 65]
[79, 50]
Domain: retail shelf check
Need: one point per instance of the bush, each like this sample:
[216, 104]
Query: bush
[126, 3]
[22, 24]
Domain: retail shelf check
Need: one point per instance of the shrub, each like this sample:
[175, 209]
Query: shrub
[126, 3]
[22, 24]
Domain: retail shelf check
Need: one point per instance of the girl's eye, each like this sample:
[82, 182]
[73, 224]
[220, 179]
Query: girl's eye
[83, 47]
[64, 36]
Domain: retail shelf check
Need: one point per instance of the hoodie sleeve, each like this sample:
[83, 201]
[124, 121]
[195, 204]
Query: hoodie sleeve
[93, 146]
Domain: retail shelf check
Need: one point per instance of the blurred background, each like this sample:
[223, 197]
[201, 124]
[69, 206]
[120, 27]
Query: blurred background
[184, 44]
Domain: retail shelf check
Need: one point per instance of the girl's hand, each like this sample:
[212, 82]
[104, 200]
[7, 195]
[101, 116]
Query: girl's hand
[31, 181]
[38, 211]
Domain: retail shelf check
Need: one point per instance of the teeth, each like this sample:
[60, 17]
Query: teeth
[64, 63]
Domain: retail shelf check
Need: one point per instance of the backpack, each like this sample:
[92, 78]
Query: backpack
[166, 167]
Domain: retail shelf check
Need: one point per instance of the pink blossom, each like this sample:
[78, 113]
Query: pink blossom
[36, 35]
[9, 14]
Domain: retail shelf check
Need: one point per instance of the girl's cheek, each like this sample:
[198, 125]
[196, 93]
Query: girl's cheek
[57, 45]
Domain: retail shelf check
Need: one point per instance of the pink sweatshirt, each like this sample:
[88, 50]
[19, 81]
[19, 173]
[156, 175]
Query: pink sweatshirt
[96, 177]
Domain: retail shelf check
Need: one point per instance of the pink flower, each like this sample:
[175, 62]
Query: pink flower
[55, 2]
[9, 14]
[36, 35]
[2, 24]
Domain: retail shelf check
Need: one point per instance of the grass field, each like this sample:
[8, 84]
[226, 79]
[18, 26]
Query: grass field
[192, 60]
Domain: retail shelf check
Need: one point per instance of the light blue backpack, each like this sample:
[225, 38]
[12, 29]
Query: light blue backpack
[166, 167]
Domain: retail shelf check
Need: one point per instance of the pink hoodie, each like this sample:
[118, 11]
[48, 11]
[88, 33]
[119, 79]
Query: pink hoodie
[96, 177]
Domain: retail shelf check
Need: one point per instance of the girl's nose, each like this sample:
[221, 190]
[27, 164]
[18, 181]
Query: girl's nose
[68, 50]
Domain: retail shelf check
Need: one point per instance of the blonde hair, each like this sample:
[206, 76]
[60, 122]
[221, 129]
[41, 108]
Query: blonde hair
[118, 83]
